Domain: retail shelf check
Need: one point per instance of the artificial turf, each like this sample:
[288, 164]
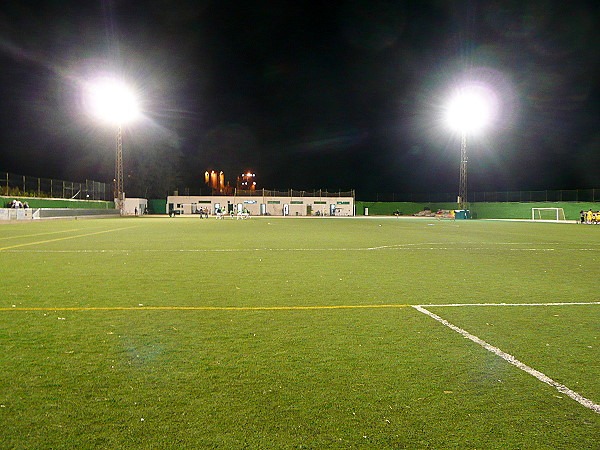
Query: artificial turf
[342, 376]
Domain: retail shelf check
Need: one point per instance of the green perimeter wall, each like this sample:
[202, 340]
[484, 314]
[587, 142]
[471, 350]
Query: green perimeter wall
[58, 203]
[500, 210]
[157, 206]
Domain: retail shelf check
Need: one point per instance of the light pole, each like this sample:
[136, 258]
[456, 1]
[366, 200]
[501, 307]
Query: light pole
[113, 102]
[469, 111]
[118, 182]
[462, 185]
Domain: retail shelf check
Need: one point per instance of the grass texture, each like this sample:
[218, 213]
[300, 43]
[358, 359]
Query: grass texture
[296, 333]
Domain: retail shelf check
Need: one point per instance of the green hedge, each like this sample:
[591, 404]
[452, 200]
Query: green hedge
[499, 210]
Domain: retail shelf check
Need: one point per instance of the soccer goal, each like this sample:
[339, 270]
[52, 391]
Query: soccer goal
[547, 214]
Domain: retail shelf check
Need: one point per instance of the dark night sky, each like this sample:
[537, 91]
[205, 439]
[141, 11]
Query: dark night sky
[307, 94]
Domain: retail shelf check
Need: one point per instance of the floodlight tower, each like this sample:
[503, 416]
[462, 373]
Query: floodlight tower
[111, 101]
[118, 182]
[462, 185]
[469, 111]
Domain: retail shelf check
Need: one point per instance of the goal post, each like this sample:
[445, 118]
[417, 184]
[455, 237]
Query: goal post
[547, 214]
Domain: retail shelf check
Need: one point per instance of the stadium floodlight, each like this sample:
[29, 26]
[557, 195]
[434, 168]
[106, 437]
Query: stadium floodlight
[471, 108]
[111, 101]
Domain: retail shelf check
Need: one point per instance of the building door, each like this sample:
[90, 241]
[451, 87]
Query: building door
[286, 210]
[263, 209]
[309, 210]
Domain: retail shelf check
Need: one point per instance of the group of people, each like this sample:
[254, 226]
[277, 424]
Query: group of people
[590, 217]
[243, 214]
[17, 204]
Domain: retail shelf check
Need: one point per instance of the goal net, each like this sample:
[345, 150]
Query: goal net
[547, 214]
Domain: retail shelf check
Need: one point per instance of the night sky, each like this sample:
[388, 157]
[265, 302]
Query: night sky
[306, 94]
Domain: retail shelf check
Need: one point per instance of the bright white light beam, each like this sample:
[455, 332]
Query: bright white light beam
[111, 101]
[471, 108]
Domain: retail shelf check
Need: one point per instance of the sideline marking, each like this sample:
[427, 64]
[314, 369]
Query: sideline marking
[201, 308]
[247, 250]
[66, 237]
[511, 304]
[430, 246]
[267, 308]
[515, 362]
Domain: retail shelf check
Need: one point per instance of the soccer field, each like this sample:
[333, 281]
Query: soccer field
[299, 333]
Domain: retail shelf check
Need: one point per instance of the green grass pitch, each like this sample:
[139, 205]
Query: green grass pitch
[296, 333]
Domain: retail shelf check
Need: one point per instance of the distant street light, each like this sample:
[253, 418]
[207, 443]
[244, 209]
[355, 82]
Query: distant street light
[113, 102]
[470, 109]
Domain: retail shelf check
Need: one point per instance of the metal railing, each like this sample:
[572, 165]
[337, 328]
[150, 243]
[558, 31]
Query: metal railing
[27, 186]
[549, 196]
[292, 193]
[266, 193]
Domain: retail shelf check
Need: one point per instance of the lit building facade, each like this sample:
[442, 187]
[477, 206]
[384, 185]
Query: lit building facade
[266, 203]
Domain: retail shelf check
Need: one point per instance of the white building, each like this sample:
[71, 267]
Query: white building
[271, 203]
[134, 206]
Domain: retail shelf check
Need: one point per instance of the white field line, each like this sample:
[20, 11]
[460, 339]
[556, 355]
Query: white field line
[407, 247]
[515, 362]
[511, 304]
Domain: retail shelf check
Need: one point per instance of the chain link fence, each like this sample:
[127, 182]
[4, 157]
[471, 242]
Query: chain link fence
[27, 186]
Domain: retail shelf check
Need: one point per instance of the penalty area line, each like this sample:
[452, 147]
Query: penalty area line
[515, 362]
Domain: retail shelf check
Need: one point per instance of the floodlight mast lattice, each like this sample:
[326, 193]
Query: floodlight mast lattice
[118, 184]
[468, 111]
[113, 102]
[462, 187]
